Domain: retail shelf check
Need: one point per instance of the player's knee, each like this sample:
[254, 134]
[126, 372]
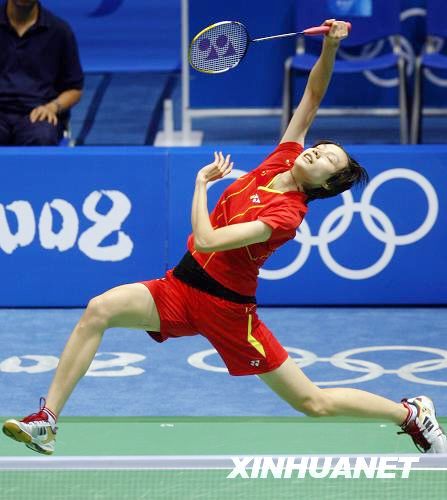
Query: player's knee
[97, 313]
[318, 405]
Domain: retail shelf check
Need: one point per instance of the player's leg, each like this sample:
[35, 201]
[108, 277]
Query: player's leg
[129, 306]
[416, 416]
[247, 346]
[292, 385]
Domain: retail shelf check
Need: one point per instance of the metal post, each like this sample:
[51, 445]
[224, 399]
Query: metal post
[186, 119]
[188, 136]
[185, 137]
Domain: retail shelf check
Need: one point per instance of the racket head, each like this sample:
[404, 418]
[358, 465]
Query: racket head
[219, 47]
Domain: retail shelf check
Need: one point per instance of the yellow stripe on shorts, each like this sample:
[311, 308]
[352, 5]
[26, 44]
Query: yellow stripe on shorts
[255, 343]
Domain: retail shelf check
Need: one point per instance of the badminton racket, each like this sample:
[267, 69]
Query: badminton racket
[222, 46]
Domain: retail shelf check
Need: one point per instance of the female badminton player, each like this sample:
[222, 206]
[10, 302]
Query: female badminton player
[212, 290]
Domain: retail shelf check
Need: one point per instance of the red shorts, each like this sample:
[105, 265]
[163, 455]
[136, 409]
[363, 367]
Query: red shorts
[245, 344]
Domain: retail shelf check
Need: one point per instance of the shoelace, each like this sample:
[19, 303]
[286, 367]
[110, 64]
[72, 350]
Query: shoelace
[36, 419]
[411, 428]
[419, 440]
[35, 416]
[39, 418]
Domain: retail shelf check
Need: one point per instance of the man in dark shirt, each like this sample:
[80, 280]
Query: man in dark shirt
[40, 74]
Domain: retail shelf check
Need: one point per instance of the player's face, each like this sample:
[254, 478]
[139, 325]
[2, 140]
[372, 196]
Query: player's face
[314, 166]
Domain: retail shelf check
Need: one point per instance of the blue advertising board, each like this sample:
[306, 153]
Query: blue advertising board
[75, 222]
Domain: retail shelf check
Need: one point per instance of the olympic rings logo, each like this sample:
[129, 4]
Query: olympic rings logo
[371, 217]
[366, 370]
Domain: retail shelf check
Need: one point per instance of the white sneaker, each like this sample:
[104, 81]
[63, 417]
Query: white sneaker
[424, 430]
[34, 430]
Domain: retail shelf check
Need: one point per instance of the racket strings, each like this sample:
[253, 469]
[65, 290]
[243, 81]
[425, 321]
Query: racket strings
[219, 47]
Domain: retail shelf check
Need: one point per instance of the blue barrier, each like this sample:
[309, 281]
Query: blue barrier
[76, 222]
[73, 224]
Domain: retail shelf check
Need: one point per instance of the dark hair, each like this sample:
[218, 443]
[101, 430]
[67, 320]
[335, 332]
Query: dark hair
[353, 174]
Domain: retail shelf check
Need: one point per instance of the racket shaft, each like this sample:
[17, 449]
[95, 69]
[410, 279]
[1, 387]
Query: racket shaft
[284, 35]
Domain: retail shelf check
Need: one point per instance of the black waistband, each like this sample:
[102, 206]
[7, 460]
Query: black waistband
[190, 272]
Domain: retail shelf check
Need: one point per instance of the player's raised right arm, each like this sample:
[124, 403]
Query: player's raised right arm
[317, 84]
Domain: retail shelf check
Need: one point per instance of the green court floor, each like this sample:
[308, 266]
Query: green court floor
[215, 436]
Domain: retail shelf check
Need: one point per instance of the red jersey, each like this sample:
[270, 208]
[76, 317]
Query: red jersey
[247, 199]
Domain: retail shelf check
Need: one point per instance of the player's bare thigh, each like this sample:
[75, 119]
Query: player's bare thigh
[128, 306]
[291, 384]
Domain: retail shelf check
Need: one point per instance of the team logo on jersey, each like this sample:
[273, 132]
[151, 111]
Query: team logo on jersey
[255, 198]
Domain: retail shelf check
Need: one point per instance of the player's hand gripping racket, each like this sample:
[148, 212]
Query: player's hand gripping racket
[222, 46]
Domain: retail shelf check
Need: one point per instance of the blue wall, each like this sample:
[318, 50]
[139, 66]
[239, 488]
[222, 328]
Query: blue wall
[120, 35]
[75, 222]
[124, 35]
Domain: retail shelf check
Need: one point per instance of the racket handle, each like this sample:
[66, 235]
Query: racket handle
[320, 30]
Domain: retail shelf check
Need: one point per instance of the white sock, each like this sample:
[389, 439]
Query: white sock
[51, 417]
[412, 413]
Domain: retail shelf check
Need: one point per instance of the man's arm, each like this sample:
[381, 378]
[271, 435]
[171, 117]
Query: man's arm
[71, 79]
[317, 84]
[206, 238]
[52, 109]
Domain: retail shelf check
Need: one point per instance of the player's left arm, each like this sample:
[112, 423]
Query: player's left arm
[206, 238]
[317, 84]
